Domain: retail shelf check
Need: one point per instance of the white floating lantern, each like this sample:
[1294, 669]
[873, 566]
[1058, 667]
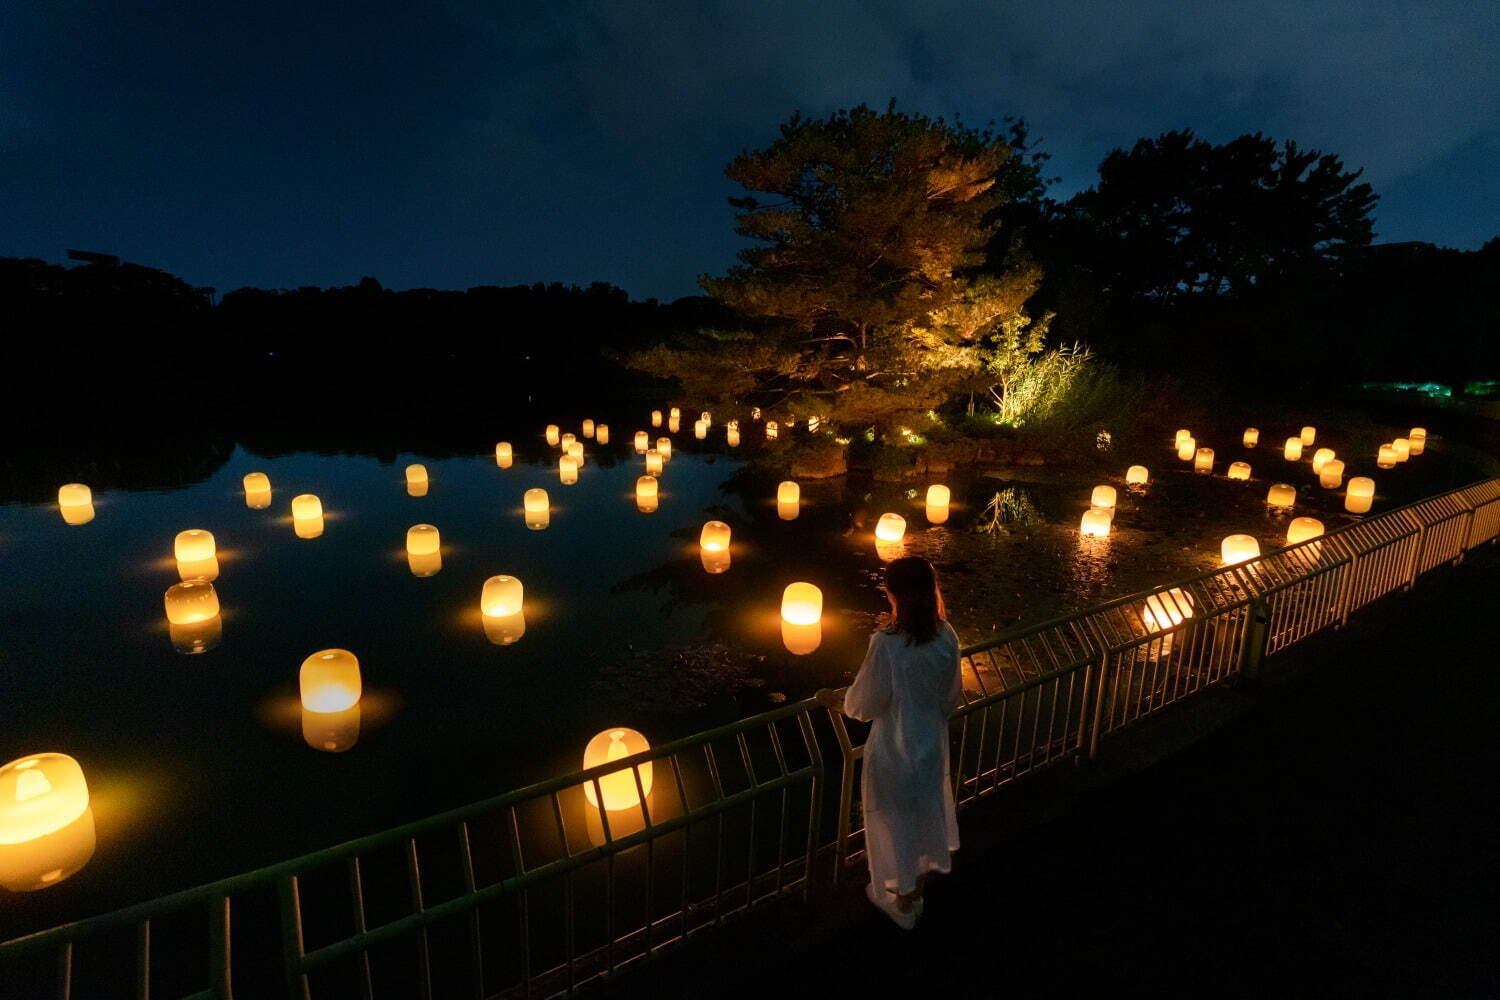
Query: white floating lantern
[74, 495]
[588, 428]
[1095, 523]
[1309, 435]
[257, 487]
[1187, 449]
[1293, 450]
[788, 492]
[416, 475]
[306, 506]
[675, 413]
[618, 787]
[674, 424]
[1417, 433]
[1360, 495]
[647, 492]
[1203, 461]
[422, 540]
[802, 604]
[1239, 470]
[503, 455]
[706, 418]
[1385, 458]
[1239, 548]
[601, 433]
[1320, 458]
[1251, 437]
[1331, 475]
[714, 537]
[567, 470]
[1281, 495]
[330, 681]
[890, 528]
[1183, 434]
[770, 430]
[732, 437]
[655, 418]
[567, 441]
[1418, 444]
[502, 597]
[40, 794]
[574, 450]
[552, 435]
[642, 442]
[664, 445]
[1137, 475]
[1403, 448]
[537, 508]
[1103, 496]
[1303, 528]
[191, 601]
[938, 497]
[700, 430]
[653, 462]
[193, 545]
[1166, 609]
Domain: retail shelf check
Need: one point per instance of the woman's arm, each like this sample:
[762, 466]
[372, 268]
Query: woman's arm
[870, 694]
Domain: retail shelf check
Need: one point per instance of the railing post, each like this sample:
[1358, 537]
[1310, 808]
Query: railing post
[1346, 588]
[1097, 672]
[1257, 636]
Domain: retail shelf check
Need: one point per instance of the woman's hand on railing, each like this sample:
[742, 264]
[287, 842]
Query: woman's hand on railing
[831, 700]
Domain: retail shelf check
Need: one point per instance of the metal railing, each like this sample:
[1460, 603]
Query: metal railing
[538, 891]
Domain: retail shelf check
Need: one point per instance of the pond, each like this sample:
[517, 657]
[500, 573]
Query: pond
[199, 763]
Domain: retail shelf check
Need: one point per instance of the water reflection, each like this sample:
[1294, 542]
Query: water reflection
[787, 510]
[197, 637]
[78, 513]
[888, 550]
[801, 639]
[424, 564]
[536, 520]
[714, 562]
[258, 499]
[417, 488]
[49, 859]
[199, 569]
[308, 527]
[332, 732]
[502, 630]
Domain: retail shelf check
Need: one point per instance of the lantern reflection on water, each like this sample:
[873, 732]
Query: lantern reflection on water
[938, 497]
[331, 732]
[1360, 495]
[1281, 495]
[46, 824]
[425, 564]
[503, 630]
[537, 508]
[1236, 549]
[84, 513]
[1331, 475]
[1292, 452]
[308, 527]
[191, 601]
[618, 787]
[330, 681]
[1239, 470]
[196, 637]
[1251, 437]
[1103, 497]
[503, 455]
[714, 561]
[1137, 475]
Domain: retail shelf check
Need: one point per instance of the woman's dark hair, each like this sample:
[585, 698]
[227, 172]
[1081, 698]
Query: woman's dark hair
[916, 602]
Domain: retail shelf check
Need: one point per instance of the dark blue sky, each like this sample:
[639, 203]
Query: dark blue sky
[453, 144]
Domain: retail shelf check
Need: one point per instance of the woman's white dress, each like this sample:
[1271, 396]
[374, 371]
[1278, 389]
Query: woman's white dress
[908, 693]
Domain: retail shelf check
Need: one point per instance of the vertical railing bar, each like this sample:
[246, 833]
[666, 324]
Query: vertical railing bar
[523, 914]
[569, 933]
[357, 903]
[815, 797]
[143, 960]
[471, 886]
[414, 880]
[781, 842]
[293, 947]
[219, 955]
[65, 971]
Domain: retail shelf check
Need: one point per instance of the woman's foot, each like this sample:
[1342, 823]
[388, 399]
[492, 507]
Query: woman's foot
[886, 903]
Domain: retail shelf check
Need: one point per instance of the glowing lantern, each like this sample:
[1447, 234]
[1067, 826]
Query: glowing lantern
[646, 494]
[306, 505]
[567, 470]
[770, 430]
[1203, 462]
[655, 418]
[674, 425]
[257, 490]
[1281, 495]
[424, 564]
[601, 434]
[330, 681]
[1183, 434]
[938, 497]
[1252, 437]
[588, 428]
[653, 462]
[618, 787]
[675, 413]
[191, 601]
[1320, 458]
[812, 425]
[1169, 608]
[416, 475]
[1293, 450]
[1386, 457]
[567, 440]
[890, 528]
[1103, 497]
[308, 527]
[1331, 475]
[714, 537]
[1417, 433]
[537, 508]
[1239, 470]
[664, 445]
[802, 604]
[331, 732]
[732, 437]
[552, 437]
[193, 545]
[1303, 528]
[1095, 523]
[40, 794]
[1360, 495]
[1239, 548]
[44, 861]
[714, 562]
[1309, 435]
[1187, 448]
[503, 455]
[422, 539]
[1137, 475]
[1418, 444]
[788, 492]
[74, 495]
[642, 442]
[700, 430]
[502, 597]
[574, 450]
[1403, 448]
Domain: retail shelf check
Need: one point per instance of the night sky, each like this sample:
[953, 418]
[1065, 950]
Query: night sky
[454, 144]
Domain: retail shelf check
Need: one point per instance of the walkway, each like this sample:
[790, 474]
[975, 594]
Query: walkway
[1334, 834]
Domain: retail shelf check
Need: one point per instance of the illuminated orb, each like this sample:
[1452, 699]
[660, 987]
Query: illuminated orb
[1203, 461]
[193, 545]
[1293, 450]
[1403, 448]
[422, 539]
[330, 681]
[1320, 458]
[191, 601]
[642, 442]
[1385, 458]
[1360, 495]
[675, 413]
[732, 437]
[802, 604]
[256, 482]
[1303, 528]
[700, 430]
[1308, 435]
[890, 528]
[503, 454]
[306, 505]
[655, 418]
[788, 492]
[74, 495]
[1137, 475]
[653, 462]
[1187, 449]
[416, 474]
[40, 794]
[502, 597]
[664, 446]
[1103, 497]
[1281, 495]
[771, 430]
[552, 435]
[587, 428]
[714, 537]
[1239, 470]
[601, 433]
[1238, 548]
[618, 787]
[567, 470]
[937, 503]
[1095, 523]
[1331, 475]
[1251, 437]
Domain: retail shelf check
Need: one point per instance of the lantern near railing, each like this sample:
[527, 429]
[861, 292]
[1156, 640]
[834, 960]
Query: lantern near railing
[732, 437]
[1251, 437]
[1331, 475]
[1418, 438]
[700, 430]
[653, 462]
[1385, 457]
[642, 442]
[1293, 450]
[890, 528]
[618, 787]
[503, 455]
[1308, 435]
[567, 470]
[1166, 609]
[1403, 448]
[502, 596]
[587, 428]
[938, 497]
[46, 824]
[1360, 495]
[1103, 496]
[675, 413]
[536, 508]
[1320, 458]
[647, 493]
[1203, 461]
[1095, 523]
[655, 418]
[1187, 449]
[1137, 475]
[1238, 548]
[193, 545]
[664, 445]
[552, 434]
[714, 537]
[1239, 470]
[1281, 495]
[802, 604]
[771, 430]
[330, 681]
[191, 601]
[422, 540]
[306, 505]
[1303, 528]
[601, 433]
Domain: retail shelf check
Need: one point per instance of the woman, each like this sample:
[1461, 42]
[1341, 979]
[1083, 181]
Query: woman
[908, 686]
